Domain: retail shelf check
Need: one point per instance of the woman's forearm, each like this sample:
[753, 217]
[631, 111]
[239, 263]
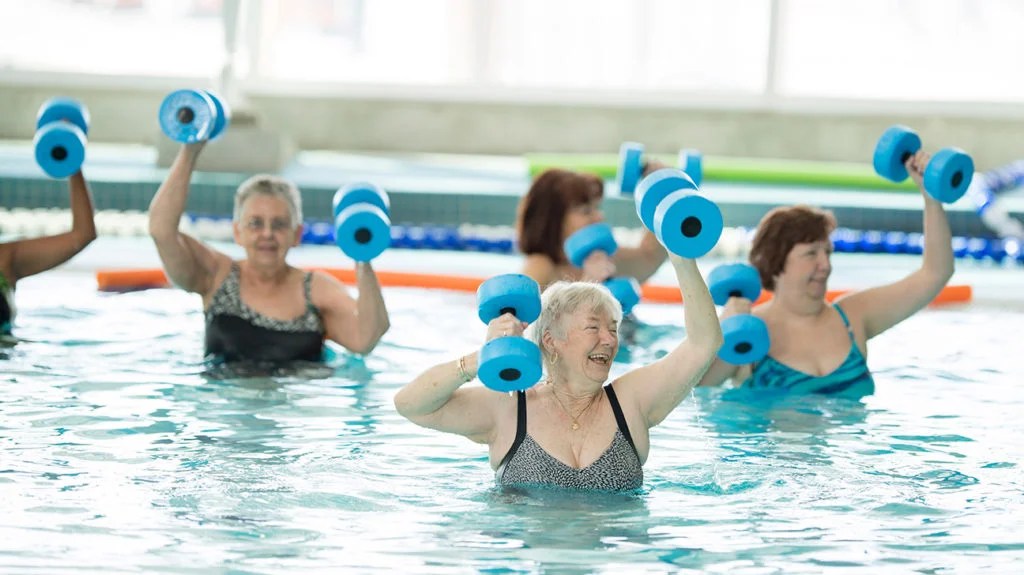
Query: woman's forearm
[432, 389]
[702, 325]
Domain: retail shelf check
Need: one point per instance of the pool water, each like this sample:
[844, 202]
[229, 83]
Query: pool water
[118, 455]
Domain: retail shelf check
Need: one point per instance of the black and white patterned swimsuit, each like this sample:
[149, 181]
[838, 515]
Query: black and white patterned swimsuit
[527, 463]
[236, 332]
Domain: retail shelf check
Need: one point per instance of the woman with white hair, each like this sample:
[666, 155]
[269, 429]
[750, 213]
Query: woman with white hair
[261, 308]
[574, 429]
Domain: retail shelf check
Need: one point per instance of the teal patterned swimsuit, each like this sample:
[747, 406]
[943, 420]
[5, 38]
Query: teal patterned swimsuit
[852, 377]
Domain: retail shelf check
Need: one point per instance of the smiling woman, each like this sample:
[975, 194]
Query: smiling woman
[261, 308]
[583, 432]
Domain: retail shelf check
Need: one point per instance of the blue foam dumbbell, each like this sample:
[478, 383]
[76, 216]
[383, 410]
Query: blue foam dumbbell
[746, 336]
[596, 237]
[686, 223]
[190, 116]
[631, 166]
[362, 221]
[692, 162]
[62, 127]
[947, 175]
[509, 363]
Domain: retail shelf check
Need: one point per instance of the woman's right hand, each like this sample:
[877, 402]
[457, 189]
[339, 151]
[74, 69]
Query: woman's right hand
[736, 306]
[505, 325]
[598, 267]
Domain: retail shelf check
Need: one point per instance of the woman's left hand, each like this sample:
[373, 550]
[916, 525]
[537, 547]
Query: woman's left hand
[915, 167]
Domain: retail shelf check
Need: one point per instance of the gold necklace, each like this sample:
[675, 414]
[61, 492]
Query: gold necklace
[575, 419]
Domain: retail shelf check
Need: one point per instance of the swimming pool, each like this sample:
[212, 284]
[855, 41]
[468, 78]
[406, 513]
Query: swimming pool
[118, 455]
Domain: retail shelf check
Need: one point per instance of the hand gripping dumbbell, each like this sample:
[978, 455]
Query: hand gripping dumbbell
[686, 223]
[509, 363]
[62, 126]
[746, 336]
[596, 237]
[947, 175]
[631, 166]
[362, 221]
[190, 116]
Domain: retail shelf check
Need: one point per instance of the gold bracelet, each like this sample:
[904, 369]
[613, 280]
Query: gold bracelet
[461, 366]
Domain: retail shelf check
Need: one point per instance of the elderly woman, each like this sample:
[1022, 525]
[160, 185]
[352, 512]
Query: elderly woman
[261, 308]
[575, 429]
[561, 202]
[22, 258]
[819, 347]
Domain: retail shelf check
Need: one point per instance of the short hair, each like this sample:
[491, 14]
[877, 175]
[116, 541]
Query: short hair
[268, 185]
[781, 229]
[562, 299]
[541, 215]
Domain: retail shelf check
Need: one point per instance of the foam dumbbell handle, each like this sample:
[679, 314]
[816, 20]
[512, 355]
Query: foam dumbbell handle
[734, 280]
[362, 231]
[222, 117]
[509, 364]
[588, 239]
[687, 224]
[626, 290]
[655, 187]
[893, 149]
[630, 167]
[746, 339]
[692, 162]
[59, 149]
[188, 116]
[64, 109]
[360, 192]
[948, 175]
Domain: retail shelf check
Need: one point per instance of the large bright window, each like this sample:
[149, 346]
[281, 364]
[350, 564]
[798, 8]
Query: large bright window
[412, 42]
[642, 45]
[873, 50]
[926, 50]
[164, 38]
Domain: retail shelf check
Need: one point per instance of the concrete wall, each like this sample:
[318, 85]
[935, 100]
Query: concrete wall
[128, 115]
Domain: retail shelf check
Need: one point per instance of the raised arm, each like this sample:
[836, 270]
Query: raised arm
[357, 324]
[641, 262]
[29, 257]
[880, 308]
[659, 387]
[189, 263]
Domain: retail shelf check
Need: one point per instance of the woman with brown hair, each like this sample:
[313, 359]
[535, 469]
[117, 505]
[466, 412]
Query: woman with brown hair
[817, 347]
[558, 204]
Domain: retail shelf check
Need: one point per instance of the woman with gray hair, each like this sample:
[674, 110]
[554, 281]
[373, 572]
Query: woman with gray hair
[261, 308]
[583, 432]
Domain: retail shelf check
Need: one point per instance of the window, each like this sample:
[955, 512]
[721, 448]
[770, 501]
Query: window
[924, 50]
[183, 38]
[642, 45]
[370, 41]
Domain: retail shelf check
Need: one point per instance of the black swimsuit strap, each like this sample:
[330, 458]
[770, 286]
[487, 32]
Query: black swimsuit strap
[520, 430]
[620, 419]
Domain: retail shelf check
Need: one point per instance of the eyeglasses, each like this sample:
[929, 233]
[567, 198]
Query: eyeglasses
[277, 225]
